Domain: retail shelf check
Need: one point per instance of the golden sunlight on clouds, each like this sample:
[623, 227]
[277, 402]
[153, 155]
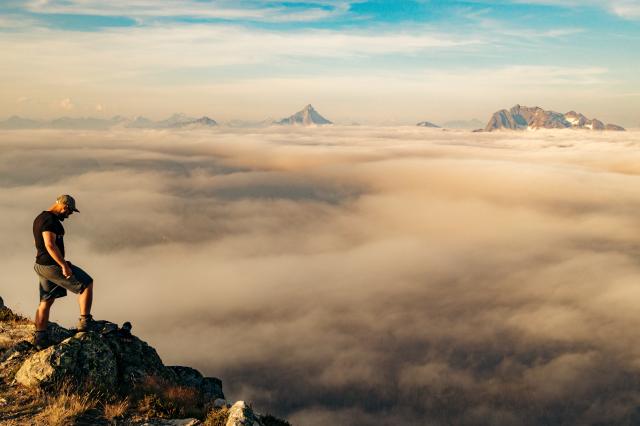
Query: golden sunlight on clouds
[356, 275]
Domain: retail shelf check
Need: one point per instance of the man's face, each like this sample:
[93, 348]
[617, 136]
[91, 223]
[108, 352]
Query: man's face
[66, 212]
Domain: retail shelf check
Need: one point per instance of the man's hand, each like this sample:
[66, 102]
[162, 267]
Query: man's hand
[66, 269]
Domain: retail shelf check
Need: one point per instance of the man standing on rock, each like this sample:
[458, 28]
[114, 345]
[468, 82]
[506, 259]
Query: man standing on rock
[56, 274]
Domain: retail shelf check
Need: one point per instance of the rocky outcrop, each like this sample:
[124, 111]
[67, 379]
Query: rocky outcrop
[109, 359]
[523, 118]
[110, 362]
[82, 359]
[240, 414]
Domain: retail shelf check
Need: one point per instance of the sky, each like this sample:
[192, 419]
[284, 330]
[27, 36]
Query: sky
[371, 62]
[360, 275]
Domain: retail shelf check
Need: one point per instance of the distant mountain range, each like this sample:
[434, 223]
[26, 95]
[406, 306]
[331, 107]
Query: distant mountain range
[523, 118]
[517, 118]
[176, 121]
[306, 117]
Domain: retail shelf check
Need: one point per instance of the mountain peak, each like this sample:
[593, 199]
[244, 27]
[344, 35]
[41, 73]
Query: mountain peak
[308, 116]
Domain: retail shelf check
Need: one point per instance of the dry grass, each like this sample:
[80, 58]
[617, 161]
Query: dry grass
[115, 410]
[63, 407]
[158, 398]
[20, 403]
[7, 315]
[217, 417]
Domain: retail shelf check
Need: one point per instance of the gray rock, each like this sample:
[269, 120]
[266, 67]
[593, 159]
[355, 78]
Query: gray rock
[1, 303]
[209, 388]
[13, 358]
[58, 333]
[220, 403]
[82, 359]
[241, 414]
[136, 360]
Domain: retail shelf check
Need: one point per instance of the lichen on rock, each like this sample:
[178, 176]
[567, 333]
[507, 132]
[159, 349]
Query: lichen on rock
[84, 359]
[241, 414]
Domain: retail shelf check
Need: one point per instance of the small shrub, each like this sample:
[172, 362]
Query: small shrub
[7, 315]
[217, 417]
[116, 409]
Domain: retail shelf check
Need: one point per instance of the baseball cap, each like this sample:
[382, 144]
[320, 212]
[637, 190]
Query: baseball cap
[69, 201]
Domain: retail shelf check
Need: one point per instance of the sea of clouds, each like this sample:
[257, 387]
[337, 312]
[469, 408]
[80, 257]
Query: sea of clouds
[356, 275]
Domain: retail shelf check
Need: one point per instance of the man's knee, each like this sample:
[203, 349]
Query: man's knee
[88, 287]
[46, 304]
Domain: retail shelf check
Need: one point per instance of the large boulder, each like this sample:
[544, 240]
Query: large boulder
[135, 360]
[111, 360]
[210, 388]
[84, 359]
[241, 414]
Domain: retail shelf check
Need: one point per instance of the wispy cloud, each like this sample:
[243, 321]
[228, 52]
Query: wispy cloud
[139, 49]
[230, 10]
[628, 9]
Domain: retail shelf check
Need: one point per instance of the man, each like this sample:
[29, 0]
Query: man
[56, 274]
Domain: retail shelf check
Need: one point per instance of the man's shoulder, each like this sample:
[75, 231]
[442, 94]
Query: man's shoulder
[46, 217]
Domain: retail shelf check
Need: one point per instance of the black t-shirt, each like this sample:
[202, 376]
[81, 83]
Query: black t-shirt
[47, 221]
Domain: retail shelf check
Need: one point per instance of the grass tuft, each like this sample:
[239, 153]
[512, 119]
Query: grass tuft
[158, 398]
[217, 417]
[63, 407]
[115, 410]
[7, 315]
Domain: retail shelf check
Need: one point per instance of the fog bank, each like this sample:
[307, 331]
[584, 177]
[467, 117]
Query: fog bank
[356, 275]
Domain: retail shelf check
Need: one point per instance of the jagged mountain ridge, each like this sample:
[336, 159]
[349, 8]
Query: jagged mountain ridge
[523, 118]
[308, 116]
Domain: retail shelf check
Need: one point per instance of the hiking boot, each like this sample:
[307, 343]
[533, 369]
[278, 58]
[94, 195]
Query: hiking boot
[87, 323]
[41, 340]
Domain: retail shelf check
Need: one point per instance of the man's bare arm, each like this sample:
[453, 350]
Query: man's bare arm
[54, 251]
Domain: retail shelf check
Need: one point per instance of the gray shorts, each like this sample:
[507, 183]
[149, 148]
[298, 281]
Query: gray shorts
[53, 284]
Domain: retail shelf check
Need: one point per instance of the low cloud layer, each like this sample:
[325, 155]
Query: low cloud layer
[356, 275]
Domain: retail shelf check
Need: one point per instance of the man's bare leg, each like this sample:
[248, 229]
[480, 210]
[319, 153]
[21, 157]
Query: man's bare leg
[85, 299]
[42, 314]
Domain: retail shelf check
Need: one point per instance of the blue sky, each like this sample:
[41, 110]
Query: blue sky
[369, 61]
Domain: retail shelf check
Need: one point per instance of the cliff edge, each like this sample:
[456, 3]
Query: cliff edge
[106, 376]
